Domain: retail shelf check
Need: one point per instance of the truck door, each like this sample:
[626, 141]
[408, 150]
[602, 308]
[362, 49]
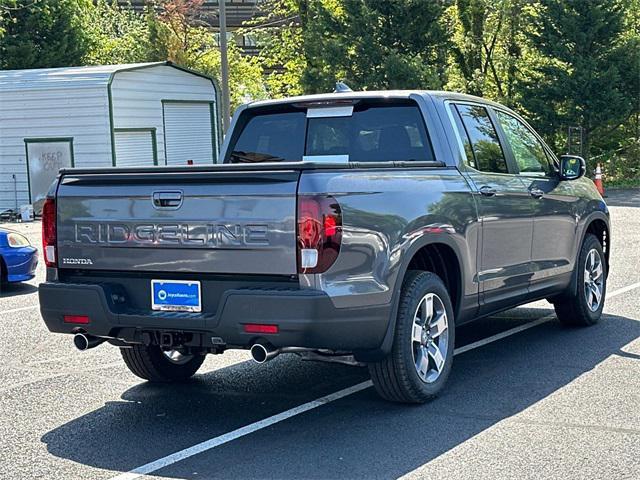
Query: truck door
[505, 210]
[553, 201]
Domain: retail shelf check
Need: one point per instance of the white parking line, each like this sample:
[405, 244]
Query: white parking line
[622, 290]
[535, 323]
[505, 334]
[240, 432]
[267, 422]
[254, 427]
[235, 434]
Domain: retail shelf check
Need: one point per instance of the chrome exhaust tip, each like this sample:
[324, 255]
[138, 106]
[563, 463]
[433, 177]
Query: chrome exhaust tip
[263, 353]
[84, 342]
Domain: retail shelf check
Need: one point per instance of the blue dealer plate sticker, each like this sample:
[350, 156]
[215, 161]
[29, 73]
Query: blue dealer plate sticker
[176, 295]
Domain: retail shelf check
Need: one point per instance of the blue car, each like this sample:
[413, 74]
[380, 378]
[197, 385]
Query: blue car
[18, 259]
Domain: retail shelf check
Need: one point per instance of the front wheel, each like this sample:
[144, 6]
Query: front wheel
[584, 306]
[422, 353]
[157, 365]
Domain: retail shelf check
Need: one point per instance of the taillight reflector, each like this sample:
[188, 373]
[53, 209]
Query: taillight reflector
[81, 319]
[260, 328]
[49, 234]
[319, 232]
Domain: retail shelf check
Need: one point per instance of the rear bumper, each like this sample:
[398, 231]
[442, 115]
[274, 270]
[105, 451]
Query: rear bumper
[305, 318]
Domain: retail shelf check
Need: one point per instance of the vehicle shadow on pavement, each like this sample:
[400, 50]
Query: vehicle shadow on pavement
[16, 289]
[358, 436]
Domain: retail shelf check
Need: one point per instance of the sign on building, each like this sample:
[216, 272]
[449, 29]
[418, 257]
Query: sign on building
[45, 157]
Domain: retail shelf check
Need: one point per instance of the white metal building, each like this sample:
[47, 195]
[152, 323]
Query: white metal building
[114, 115]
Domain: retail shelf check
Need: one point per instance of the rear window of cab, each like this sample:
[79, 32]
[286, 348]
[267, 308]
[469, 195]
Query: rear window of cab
[364, 132]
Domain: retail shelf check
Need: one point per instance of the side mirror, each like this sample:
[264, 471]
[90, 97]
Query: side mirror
[572, 167]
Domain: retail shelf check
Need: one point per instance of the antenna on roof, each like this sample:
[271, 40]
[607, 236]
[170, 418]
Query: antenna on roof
[342, 87]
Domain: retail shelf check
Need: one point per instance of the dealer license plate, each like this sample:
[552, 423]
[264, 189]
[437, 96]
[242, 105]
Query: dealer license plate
[176, 295]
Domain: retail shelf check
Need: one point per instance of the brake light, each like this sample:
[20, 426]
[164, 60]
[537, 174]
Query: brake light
[319, 233]
[79, 319]
[260, 328]
[49, 237]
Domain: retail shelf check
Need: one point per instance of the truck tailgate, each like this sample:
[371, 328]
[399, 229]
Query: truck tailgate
[213, 222]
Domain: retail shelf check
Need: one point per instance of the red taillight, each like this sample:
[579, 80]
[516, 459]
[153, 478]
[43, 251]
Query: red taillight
[81, 319]
[330, 226]
[260, 328]
[49, 232]
[319, 233]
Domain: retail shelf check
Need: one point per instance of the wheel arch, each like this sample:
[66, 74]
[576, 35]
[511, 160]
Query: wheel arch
[598, 224]
[600, 228]
[441, 259]
[436, 253]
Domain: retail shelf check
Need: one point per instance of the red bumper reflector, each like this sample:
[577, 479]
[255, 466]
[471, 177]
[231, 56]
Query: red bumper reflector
[82, 319]
[260, 328]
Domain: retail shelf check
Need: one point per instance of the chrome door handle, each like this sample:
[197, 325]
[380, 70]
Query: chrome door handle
[487, 191]
[536, 193]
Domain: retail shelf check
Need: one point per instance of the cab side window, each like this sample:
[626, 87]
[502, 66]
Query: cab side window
[482, 139]
[466, 143]
[527, 149]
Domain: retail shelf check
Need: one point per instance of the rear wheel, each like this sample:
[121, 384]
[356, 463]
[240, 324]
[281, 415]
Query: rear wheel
[584, 306]
[157, 365]
[422, 353]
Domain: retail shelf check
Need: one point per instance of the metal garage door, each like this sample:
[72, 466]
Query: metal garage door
[135, 148]
[188, 131]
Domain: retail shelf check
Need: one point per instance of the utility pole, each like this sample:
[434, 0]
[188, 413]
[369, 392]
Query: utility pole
[224, 61]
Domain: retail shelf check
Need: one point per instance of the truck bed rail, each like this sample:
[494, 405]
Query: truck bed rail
[241, 167]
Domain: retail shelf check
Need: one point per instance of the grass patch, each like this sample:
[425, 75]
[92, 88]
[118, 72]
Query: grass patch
[622, 183]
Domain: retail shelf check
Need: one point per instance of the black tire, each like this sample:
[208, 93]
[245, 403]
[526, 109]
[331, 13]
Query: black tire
[572, 308]
[396, 377]
[3, 275]
[150, 363]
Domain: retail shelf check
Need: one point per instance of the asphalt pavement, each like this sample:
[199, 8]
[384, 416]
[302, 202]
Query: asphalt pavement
[543, 402]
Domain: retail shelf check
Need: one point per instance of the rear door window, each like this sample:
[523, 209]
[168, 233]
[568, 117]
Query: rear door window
[482, 138]
[374, 132]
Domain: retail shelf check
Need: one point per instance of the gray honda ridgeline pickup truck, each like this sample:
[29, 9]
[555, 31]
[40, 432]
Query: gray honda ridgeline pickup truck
[359, 227]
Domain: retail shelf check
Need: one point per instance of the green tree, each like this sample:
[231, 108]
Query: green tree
[118, 34]
[180, 33]
[42, 33]
[278, 32]
[372, 44]
[619, 150]
[468, 23]
[487, 47]
[586, 71]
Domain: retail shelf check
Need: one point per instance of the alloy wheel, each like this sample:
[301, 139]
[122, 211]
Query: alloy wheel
[593, 280]
[430, 337]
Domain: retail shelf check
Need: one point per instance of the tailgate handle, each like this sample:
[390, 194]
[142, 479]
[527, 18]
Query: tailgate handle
[167, 199]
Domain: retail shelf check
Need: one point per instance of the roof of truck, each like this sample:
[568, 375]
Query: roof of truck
[380, 94]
